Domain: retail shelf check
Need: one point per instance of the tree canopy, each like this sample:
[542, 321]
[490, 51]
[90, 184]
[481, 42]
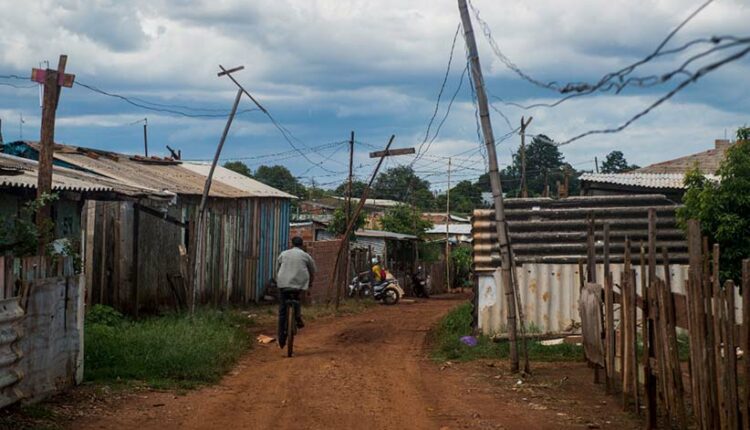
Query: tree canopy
[403, 219]
[338, 224]
[403, 185]
[722, 207]
[280, 177]
[465, 197]
[239, 167]
[615, 162]
[358, 188]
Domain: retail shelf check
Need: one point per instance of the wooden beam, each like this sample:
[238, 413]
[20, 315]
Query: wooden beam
[392, 152]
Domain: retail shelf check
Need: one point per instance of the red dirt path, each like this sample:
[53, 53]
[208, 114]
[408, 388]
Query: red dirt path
[371, 371]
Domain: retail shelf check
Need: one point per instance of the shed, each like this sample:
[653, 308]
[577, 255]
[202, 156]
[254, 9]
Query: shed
[18, 184]
[377, 240]
[134, 262]
[549, 238]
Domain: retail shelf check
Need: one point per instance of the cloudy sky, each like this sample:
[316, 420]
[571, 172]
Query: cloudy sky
[324, 68]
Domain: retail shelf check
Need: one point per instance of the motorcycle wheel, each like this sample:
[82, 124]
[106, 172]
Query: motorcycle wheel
[365, 292]
[390, 296]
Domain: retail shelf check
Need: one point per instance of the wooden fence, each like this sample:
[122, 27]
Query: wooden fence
[637, 342]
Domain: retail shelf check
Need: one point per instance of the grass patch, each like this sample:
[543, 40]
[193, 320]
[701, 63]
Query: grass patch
[457, 323]
[171, 351]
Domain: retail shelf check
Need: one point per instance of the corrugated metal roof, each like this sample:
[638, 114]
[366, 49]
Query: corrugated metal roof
[162, 175]
[555, 231]
[385, 203]
[453, 229]
[644, 180]
[21, 172]
[250, 186]
[384, 235]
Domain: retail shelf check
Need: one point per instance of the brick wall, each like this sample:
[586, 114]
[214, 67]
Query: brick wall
[304, 231]
[324, 254]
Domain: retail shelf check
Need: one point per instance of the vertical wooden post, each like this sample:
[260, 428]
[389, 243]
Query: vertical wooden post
[497, 189]
[591, 250]
[447, 231]
[696, 327]
[745, 343]
[524, 185]
[609, 321]
[648, 324]
[716, 302]
[730, 357]
[135, 266]
[52, 80]
[673, 357]
[711, 342]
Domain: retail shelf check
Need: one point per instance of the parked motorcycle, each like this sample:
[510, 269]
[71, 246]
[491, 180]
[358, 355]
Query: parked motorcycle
[420, 285]
[388, 292]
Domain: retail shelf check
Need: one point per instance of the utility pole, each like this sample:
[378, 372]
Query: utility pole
[350, 227]
[448, 229]
[145, 136]
[596, 164]
[20, 127]
[200, 221]
[524, 189]
[52, 80]
[497, 191]
[348, 218]
[1, 131]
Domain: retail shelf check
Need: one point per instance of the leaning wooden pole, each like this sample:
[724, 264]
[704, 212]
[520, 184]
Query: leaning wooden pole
[353, 218]
[494, 173]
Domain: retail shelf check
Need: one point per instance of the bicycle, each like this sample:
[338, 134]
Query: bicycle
[291, 325]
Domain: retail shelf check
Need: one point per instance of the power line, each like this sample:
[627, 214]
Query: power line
[132, 102]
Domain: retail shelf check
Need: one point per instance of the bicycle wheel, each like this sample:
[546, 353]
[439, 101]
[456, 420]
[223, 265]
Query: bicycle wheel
[291, 330]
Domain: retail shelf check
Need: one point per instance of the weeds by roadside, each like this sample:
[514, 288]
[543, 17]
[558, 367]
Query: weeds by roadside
[457, 323]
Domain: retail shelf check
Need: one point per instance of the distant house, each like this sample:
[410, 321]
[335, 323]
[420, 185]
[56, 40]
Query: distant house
[457, 233]
[665, 178]
[133, 249]
[374, 209]
[440, 218]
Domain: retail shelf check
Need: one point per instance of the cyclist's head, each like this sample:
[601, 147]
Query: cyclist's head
[297, 242]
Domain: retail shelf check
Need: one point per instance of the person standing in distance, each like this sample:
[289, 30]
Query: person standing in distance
[295, 272]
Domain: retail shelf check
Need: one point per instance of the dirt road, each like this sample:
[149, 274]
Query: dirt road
[368, 371]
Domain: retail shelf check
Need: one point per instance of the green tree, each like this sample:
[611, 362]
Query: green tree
[722, 208]
[615, 162]
[281, 178]
[20, 235]
[465, 197]
[403, 219]
[338, 224]
[358, 188]
[403, 185]
[543, 158]
[239, 167]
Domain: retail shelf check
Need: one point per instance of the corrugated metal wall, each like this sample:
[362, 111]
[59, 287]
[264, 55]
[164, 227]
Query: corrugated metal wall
[550, 296]
[243, 238]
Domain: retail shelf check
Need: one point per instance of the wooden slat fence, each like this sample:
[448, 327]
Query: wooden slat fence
[704, 383]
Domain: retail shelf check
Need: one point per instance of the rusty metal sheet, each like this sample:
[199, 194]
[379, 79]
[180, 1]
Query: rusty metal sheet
[549, 295]
[10, 355]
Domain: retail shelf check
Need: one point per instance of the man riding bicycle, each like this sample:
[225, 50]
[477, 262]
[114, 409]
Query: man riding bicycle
[295, 271]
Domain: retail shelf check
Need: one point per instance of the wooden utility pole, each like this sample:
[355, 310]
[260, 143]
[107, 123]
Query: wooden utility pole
[360, 205]
[524, 185]
[200, 220]
[596, 164]
[497, 191]
[447, 230]
[348, 218]
[145, 136]
[52, 80]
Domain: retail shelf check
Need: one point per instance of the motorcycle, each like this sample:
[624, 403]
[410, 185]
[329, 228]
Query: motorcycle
[420, 285]
[388, 292]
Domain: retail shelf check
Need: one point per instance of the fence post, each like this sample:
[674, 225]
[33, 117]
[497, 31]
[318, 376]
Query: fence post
[745, 342]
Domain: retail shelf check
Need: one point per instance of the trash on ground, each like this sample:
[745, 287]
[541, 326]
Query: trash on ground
[469, 340]
[263, 339]
[551, 342]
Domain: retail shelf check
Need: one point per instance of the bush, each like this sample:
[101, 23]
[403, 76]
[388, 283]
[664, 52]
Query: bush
[172, 350]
